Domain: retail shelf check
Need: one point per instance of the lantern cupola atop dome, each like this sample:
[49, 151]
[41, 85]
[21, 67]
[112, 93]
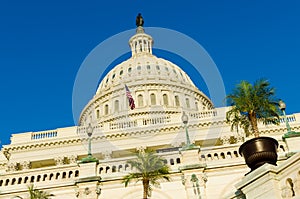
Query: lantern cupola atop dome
[140, 43]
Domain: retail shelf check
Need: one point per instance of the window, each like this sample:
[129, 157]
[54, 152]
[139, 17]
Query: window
[153, 99]
[140, 100]
[196, 106]
[148, 67]
[76, 173]
[97, 113]
[121, 72]
[165, 99]
[177, 103]
[187, 101]
[113, 76]
[64, 175]
[139, 67]
[171, 161]
[116, 105]
[290, 185]
[13, 181]
[129, 69]
[106, 109]
[157, 67]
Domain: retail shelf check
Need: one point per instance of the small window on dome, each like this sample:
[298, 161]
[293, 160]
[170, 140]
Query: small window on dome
[107, 80]
[174, 71]
[113, 76]
[166, 68]
[157, 67]
[177, 103]
[121, 72]
[106, 109]
[148, 67]
[129, 69]
[165, 99]
[187, 102]
[139, 67]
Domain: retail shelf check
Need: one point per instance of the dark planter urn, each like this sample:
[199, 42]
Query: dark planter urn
[259, 151]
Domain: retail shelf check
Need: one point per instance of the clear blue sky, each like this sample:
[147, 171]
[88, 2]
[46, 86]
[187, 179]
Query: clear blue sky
[43, 43]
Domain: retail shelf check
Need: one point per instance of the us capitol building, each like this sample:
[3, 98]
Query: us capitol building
[54, 160]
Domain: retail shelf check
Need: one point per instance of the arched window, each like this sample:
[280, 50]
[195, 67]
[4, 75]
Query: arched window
[120, 168]
[116, 105]
[126, 167]
[171, 161]
[187, 102]
[64, 175]
[106, 109]
[57, 176]
[153, 99]
[165, 99]
[13, 181]
[140, 100]
[70, 174]
[107, 169]
[97, 113]
[76, 173]
[290, 185]
[51, 176]
[196, 106]
[177, 103]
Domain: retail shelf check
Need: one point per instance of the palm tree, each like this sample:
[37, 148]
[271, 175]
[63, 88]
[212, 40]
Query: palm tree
[252, 104]
[150, 168]
[38, 194]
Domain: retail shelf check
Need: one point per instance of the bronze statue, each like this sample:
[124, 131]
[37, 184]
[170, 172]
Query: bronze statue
[139, 20]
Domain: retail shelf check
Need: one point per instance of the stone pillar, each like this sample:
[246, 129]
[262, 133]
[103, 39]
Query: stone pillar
[293, 144]
[88, 184]
[193, 176]
[190, 156]
[195, 183]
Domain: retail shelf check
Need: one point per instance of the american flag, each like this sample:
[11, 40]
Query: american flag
[130, 99]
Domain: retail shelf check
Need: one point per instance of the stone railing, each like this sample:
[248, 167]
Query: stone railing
[43, 135]
[40, 176]
[203, 114]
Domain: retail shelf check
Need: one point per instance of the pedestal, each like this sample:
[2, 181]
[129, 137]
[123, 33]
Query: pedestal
[293, 143]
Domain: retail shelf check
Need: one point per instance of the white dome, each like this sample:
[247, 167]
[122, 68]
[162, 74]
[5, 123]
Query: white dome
[156, 85]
